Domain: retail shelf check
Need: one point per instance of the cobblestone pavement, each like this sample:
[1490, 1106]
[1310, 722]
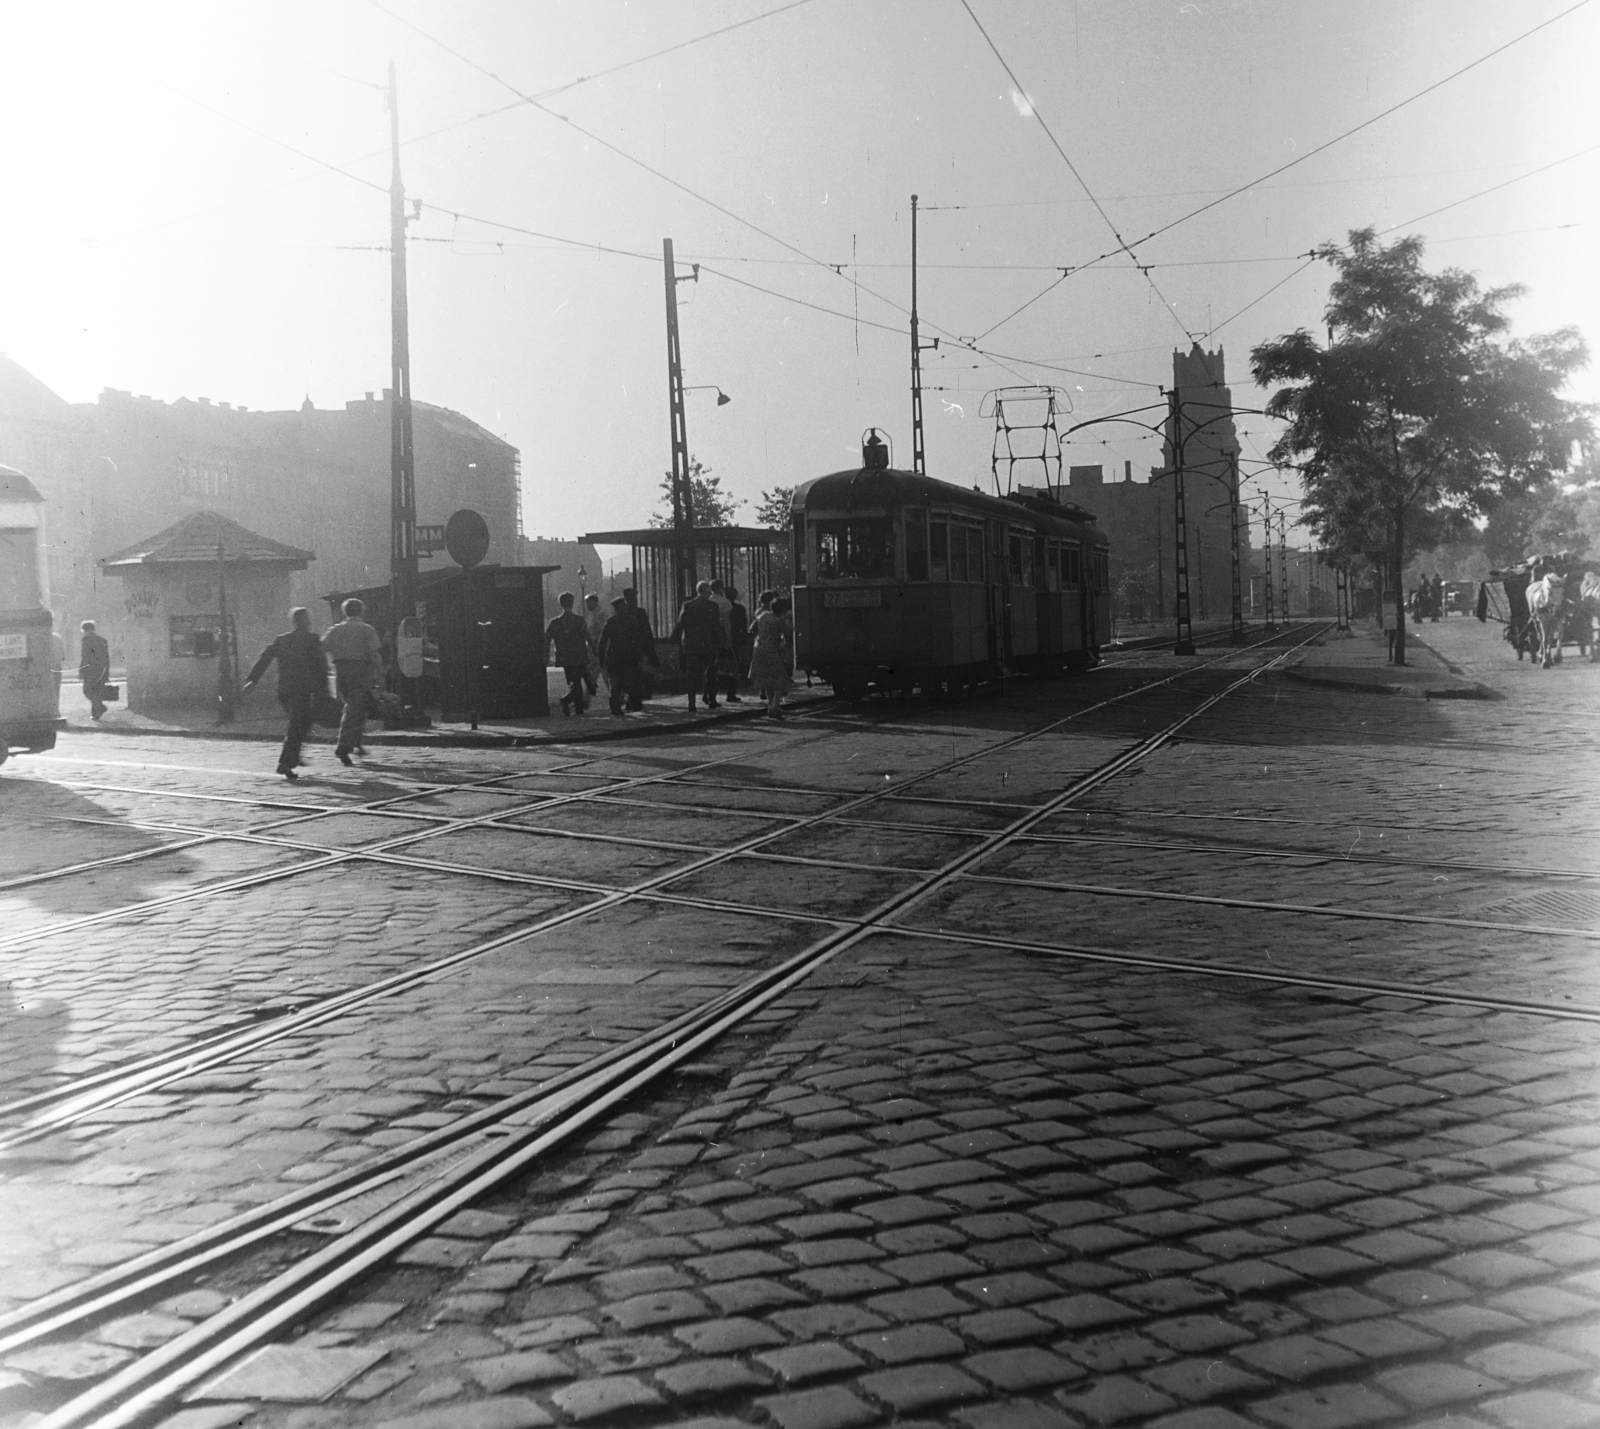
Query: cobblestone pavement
[969, 1173]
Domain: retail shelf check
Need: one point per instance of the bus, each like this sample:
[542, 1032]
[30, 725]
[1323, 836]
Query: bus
[30, 654]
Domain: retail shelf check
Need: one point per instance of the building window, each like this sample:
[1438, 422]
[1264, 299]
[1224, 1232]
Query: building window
[193, 637]
[207, 479]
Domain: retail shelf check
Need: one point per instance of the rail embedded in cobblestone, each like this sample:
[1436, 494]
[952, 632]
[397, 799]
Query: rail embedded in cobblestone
[723, 1012]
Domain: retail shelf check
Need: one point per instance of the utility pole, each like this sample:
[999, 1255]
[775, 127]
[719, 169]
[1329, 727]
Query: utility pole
[919, 463]
[1266, 562]
[682, 488]
[1341, 593]
[1283, 561]
[1180, 578]
[227, 696]
[402, 460]
[1237, 636]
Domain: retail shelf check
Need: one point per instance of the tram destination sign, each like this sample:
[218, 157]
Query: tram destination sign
[843, 599]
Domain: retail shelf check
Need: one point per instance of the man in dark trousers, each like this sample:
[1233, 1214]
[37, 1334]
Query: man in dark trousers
[94, 668]
[621, 650]
[647, 638]
[700, 640]
[302, 676]
[739, 639]
[570, 636]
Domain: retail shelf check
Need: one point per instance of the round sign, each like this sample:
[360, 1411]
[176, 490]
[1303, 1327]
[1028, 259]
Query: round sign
[466, 537]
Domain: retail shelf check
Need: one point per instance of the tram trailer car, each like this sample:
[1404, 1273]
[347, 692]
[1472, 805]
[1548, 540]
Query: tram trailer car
[30, 668]
[904, 582]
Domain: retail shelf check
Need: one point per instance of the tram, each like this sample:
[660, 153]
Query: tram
[903, 582]
[30, 665]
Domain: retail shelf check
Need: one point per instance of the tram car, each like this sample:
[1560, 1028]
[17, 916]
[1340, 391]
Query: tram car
[30, 662]
[903, 582]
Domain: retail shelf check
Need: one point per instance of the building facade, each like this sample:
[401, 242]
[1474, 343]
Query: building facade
[312, 478]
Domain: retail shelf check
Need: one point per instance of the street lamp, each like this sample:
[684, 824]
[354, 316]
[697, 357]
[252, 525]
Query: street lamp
[722, 397]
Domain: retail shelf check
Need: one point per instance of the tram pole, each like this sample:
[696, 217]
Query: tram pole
[227, 704]
[1266, 562]
[1237, 633]
[1283, 561]
[1180, 579]
[684, 573]
[402, 459]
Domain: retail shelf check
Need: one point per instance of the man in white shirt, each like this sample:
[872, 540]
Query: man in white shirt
[357, 656]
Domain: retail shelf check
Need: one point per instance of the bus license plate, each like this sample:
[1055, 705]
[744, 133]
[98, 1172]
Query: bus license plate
[840, 599]
[14, 646]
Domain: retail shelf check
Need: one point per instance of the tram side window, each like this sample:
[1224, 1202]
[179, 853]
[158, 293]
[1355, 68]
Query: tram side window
[1101, 565]
[958, 552]
[939, 550]
[1014, 553]
[1072, 567]
[1027, 561]
[974, 553]
[19, 568]
[799, 552]
[1052, 569]
[916, 543]
[855, 548]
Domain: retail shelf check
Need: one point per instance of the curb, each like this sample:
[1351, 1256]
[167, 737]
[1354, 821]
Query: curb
[1472, 691]
[467, 739]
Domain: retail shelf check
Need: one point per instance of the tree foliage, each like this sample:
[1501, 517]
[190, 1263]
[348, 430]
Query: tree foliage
[1424, 412]
[775, 510]
[712, 505]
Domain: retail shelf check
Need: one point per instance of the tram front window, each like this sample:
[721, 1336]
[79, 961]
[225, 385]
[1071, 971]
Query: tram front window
[19, 568]
[859, 548]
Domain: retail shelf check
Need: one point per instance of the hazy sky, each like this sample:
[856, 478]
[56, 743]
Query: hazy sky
[172, 226]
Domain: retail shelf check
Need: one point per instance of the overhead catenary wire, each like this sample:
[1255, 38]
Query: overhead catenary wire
[1072, 168]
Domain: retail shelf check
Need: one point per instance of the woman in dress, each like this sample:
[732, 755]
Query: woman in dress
[772, 653]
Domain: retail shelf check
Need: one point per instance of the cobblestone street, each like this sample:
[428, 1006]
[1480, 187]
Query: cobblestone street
[1247, 1080]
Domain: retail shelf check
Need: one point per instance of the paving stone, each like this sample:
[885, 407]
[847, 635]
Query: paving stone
[600, 1398]
[1023, 1368]
[1428, 1385]
[1114, 1398]
[927, 1302]
[1017, 1288]
[727, 1336]
[1197, 1380]
[1191, 1334]
[1085, 1312]
[1519, 1362]
[913, 1342]
[1014, 1414]
[1380, 1339]
[1334, 1407]
[505, 1413]
[921, 1386]
[1003, 1327]
[834, 1320]
[800, 1363]
[1542, 1409]
[141, 1332]
[742, 1297]
[832, 1407]
[837, 1251]
[703, 1378]
[552, 1330]
[737, 1264]
[291, 1373]
[631, 1352]
[1415, 1288]
[1296, 1357]
[1465, 1322]
[667, 1307]
[500, 1372]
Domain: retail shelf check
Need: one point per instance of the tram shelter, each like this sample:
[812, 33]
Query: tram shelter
[741, 556]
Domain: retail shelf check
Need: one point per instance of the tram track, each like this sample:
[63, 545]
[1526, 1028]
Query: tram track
[533, 1128]
[81, 1097]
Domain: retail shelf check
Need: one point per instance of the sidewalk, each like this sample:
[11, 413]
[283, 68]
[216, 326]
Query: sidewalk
[1359, 661]
[261, 719]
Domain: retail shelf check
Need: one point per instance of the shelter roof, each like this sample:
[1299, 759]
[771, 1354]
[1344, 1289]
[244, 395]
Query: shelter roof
[664, 537]
[195, 539]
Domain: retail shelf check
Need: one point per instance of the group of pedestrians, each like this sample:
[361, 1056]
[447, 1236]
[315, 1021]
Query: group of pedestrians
[719, 646]
[302, 658]
[590, 645]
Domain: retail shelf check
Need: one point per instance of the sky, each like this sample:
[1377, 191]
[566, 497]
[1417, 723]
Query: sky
[200, 208]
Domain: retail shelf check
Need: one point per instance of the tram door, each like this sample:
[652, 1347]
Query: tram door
[999, 594]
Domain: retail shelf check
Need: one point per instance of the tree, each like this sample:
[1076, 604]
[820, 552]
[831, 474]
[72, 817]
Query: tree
[776, 510]
[1424, 412]
[712, 505]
